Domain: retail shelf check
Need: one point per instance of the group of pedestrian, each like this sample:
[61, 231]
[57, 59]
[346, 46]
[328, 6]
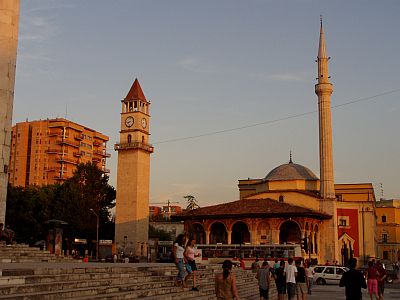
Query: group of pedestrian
[293, 279]
[373, 279]
[184, 257]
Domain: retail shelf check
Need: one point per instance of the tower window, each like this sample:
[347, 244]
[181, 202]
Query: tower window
[129, 138]
[281, 198]
[383, 219]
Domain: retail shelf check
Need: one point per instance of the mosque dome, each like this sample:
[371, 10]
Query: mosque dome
[290, 171]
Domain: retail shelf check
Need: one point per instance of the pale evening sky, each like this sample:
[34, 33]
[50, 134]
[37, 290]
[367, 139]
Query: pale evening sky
[210, 66]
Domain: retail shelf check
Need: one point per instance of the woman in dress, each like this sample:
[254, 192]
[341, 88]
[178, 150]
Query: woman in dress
[179, 249]
[225, 283]
[190, 256]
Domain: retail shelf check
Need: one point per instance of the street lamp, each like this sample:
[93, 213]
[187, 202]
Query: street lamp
[97, 233]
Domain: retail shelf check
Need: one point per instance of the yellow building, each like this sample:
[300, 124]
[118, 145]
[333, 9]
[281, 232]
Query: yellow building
[48, 151]
[388, 225]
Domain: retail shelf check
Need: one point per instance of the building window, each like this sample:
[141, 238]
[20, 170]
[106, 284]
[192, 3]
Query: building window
[383, 219]
[281, 198]
[342, 222]
[384, 237]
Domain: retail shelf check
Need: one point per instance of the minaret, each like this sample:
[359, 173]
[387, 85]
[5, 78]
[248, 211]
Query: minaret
[9, 11]
[324, 89]
[133, 173]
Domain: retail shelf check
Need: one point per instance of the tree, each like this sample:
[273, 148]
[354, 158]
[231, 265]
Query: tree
[192, 202]
[29, 208]
[161, 234]
[87, 189]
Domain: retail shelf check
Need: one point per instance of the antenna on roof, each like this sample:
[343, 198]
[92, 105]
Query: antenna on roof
[290, 156]
[381, 191]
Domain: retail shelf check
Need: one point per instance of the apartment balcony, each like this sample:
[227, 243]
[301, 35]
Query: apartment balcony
[134, 145]
[102, 153]
[67, 160]
[78, 137]
[55, 133]
[67, 142]
[60, 177]
[97, 143]
[53, 151]
[77, 154]
[104, 170]
[53, 169]
[96, 159]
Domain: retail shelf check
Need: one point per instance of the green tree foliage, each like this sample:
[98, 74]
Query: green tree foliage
[191, 202]
[161, 234]
[29, 208]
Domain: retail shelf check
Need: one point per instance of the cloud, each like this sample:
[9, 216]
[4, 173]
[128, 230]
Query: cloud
[196, 65]
[282, 77]
[37, 29]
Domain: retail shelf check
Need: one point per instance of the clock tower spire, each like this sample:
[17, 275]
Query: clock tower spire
[133, 174]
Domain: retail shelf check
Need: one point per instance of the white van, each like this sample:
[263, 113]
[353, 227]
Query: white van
[328, 274]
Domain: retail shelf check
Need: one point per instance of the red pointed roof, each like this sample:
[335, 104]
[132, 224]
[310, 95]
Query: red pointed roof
[135, 93]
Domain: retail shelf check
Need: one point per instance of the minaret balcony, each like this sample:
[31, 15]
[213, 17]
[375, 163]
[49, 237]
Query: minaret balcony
[134, 145]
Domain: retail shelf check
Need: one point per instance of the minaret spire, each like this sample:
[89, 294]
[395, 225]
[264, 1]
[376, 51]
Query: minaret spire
[324, 90]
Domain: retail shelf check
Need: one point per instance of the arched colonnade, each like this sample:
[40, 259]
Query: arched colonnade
[257, 231]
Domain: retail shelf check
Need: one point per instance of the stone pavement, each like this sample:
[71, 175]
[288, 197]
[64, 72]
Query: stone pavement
[334, 292]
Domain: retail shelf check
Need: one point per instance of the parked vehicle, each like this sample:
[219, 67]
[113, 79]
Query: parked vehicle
[328, 274]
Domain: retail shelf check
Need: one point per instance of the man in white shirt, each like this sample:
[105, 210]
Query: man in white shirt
[291, 272]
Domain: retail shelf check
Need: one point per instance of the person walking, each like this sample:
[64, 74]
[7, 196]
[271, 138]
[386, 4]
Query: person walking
[310, 277]
[276, 265]
[381, 279]
[179, 249]
[190, 255]
[301, 281]
[255, 266]
[372, 280]
[291, 273]
[264, 280]
[280, 280]
[225, 283]
[353, 281]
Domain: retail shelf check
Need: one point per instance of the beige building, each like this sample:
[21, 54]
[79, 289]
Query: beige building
[9, 20]
[388, 229]
[133, 175]
[48, 151]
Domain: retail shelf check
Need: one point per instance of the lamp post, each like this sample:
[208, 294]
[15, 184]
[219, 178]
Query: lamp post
[97, 233]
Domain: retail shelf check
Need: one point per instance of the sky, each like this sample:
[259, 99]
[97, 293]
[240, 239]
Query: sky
[231, 85]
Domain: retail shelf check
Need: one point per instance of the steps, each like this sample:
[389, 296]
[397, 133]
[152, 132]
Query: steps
[114, 281]
[22, 253]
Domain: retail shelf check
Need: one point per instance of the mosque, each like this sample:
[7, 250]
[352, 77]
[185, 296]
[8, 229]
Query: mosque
[291, 205]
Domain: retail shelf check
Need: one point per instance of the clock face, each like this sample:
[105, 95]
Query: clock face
[144, 123]
[129, 121]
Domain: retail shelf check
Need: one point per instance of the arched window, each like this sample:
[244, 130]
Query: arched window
[129, 138]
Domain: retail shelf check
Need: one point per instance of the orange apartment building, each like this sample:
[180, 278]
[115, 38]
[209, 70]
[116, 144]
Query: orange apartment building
[48, 151]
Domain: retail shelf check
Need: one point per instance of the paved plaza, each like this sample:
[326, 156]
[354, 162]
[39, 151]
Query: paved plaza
[333, 292]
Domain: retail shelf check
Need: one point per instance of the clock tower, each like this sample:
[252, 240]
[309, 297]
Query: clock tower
[133, 174]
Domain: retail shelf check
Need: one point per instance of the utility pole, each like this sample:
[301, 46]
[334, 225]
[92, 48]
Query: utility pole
[97, 233]
[168, 206]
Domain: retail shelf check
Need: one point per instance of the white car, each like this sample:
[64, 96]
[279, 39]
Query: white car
[328, 274]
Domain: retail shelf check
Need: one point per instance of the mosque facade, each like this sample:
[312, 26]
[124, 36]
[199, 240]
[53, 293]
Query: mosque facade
[291, 205]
